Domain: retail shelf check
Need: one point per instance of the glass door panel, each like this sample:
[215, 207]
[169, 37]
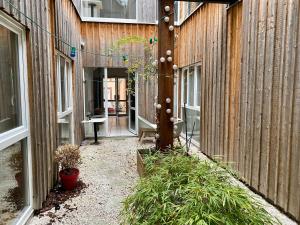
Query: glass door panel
[111, 95]
[132, 105]
[122, 97]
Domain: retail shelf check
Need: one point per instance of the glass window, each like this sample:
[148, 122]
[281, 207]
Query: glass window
[191, 95]
[184, 87]
[64, 93]
[64, 87]
[191, 86]
[63, 84]
[120, 9]
[176, 10]
[198, 74]
[10, 108]
[14, 185]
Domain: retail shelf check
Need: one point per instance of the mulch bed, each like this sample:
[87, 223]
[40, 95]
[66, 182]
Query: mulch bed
[58, 196]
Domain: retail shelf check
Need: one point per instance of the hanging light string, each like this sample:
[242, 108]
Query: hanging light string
[33, 22]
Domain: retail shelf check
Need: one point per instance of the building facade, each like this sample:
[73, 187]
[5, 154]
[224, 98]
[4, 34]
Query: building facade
[237, 87]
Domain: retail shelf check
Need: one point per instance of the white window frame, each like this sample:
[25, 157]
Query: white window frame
[110, 20]
[68, 86]
[196, 86]
[22, 132]
[68, 93]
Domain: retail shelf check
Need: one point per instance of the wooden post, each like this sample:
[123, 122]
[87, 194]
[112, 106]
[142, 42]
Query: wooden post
[165, 73]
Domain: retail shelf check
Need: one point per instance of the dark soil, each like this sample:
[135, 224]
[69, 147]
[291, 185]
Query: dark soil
[58, 196]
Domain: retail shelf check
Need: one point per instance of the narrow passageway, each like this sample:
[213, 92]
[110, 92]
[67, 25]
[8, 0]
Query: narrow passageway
[109, 171]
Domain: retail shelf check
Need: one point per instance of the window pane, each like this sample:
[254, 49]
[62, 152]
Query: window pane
[193, 123]
[198, 99]
[10, 110]
[63, 83]
[184, 87]
[122, 9]
[191, 86]
[13, 185]
[65, 130]
[176, 4]
[175, 96]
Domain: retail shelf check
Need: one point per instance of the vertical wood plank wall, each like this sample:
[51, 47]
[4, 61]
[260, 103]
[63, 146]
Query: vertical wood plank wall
[250, 108]
[41, 77]
[68, 29]
[100, 37]
[42, 104]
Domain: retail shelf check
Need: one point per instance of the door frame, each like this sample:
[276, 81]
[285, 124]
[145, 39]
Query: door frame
[136, 108]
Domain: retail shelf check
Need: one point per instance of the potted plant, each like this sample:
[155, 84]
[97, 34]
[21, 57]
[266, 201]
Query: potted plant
[16, 163]
[68, 157]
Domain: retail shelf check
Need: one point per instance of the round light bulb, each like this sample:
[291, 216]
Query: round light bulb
[175, 127]
[156, 136]
[170, 59]
[174, 132]
[168, 111]
[168, 100]
[171, 28]
[154, 141]
[175, 67]
[169, 52]
[162, 59]
[167, 19]
[172, 119]
[167, 8]
[158, 106]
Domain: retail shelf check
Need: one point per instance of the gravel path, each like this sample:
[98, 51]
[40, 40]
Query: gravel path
[109, 170]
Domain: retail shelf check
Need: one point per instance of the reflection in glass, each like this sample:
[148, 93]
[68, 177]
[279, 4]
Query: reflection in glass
[120, 9]
[13, 182]
[65, 130]
[193, 123]
[62, 82]
[191, 86]
[10, 115]
[198, 86]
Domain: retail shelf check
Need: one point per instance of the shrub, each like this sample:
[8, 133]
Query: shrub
[68, 156]
[183, 190]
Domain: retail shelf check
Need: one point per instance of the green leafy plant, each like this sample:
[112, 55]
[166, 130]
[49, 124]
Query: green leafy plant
[184, 190]
[142, 65]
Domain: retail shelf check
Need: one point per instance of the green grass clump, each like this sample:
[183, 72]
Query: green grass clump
[181, 190]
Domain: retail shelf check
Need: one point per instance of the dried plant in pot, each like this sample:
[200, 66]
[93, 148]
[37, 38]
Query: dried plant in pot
[68, 157]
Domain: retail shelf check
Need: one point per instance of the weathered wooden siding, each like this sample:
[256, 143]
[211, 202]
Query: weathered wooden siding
[41, 77]
[100, 37]
[250, 106]
[68, 31]
[42, 104]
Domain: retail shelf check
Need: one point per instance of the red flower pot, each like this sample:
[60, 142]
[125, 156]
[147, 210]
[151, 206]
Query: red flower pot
[69, 178]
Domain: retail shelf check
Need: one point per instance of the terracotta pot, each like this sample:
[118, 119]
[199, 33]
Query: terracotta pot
[69, 178]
